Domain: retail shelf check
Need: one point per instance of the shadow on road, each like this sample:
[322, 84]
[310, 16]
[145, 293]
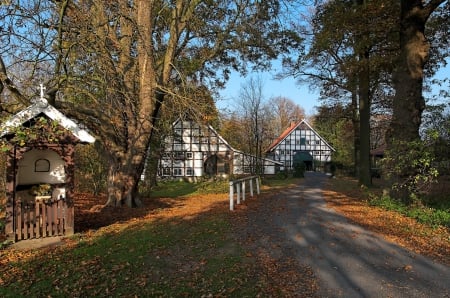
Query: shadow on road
[348, 260]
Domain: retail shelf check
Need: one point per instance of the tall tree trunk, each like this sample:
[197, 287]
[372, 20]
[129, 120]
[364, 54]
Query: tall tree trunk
[128, 163]
[408, 76]
[364, 101]
[356, 128]
[408, 102]
[364, 122]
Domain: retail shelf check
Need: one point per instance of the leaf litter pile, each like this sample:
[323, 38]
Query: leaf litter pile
[189, 246]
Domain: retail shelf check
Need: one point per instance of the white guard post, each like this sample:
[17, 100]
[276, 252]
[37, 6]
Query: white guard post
[240, 188]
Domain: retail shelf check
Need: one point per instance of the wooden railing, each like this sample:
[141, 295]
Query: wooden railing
[240, 186]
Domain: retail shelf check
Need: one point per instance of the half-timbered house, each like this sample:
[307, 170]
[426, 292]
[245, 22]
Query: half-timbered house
[301, 142]
[196, 150]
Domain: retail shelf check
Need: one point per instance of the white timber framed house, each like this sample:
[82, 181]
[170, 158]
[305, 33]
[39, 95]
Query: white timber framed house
[197, 150]
[301, 142]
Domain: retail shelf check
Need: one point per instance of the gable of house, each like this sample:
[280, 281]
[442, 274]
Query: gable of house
[195, 150]
[300, 138]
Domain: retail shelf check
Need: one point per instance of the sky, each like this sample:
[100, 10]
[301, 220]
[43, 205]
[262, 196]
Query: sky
[300, 94]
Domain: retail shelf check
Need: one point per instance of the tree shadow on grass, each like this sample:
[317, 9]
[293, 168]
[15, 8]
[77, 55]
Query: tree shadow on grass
[92, 214]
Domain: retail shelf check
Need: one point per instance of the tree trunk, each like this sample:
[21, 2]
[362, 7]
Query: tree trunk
[409, 103]
[364, 122]
[363, 101]
[123, 180]
[356, 128]
[127, 164]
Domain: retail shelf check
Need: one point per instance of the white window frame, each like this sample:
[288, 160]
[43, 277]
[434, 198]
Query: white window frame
[178, 171]
[166, 171]
[189, 171]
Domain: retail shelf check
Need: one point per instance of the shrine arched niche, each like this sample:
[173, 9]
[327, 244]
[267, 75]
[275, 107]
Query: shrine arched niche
[40, 166]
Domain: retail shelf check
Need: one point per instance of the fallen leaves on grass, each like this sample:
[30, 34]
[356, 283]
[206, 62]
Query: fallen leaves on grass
[260, 273]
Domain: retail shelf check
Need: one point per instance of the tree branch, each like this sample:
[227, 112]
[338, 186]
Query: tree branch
[6, 82]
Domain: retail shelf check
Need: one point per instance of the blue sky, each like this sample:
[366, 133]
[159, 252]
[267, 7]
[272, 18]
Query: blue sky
[300, 94]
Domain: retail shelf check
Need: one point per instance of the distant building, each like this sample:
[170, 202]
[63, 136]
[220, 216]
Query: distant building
[301, 142]
[196, 150]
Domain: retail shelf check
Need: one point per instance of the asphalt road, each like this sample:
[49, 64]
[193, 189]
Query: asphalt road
[347, 260]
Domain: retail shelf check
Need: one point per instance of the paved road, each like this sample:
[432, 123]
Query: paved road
[348, 260]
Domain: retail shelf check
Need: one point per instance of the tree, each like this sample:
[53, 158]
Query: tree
[285, 112]
[335, 124]
[408, 76]
[116, 63]
[255, 114]
[409, 103]
[231, 125]
[347, 36]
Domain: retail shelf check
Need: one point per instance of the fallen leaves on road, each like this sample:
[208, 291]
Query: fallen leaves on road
[393, 226]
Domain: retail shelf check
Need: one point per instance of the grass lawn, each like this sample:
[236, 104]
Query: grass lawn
[185, 248]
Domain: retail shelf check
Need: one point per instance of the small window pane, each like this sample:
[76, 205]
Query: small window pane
[42, 165]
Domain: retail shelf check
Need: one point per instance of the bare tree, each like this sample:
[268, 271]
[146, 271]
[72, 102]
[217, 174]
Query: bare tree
[255, 115]
[285, 112]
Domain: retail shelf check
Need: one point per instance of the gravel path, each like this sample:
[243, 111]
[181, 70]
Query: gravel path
[347, 260]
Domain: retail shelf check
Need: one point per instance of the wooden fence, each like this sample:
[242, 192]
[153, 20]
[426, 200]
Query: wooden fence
[240, 186]
[41, 218]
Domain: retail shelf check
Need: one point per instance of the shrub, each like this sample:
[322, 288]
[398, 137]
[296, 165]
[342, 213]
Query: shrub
[424, 214]
[409, 166]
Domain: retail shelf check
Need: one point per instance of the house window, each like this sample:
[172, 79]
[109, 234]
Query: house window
[302, 141]
[188, 155]
[282, 152]
[178, 172]
[179, 155]
[288, 142]
[189, 172]
[317, 142]
[42, 165]
[166, 171]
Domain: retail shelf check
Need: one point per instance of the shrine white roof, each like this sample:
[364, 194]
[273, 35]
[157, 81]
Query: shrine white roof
[41, 106]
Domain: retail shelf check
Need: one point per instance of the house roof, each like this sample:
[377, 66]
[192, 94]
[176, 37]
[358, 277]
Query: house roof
[41, 106]
[289, 130]
[228, 145]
